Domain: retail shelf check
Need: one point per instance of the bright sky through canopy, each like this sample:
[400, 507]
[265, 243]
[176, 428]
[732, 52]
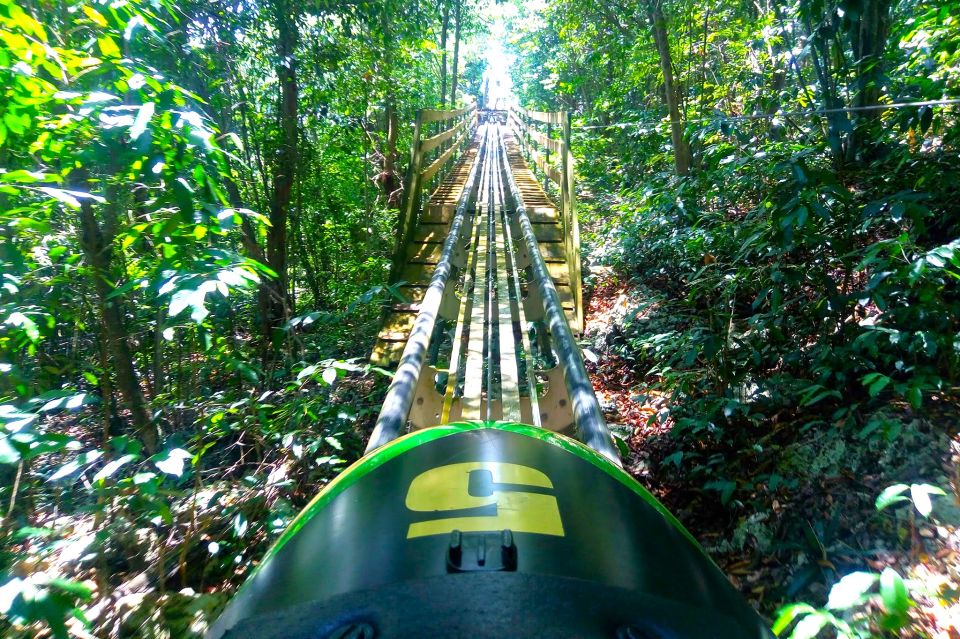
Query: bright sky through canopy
[497, 84]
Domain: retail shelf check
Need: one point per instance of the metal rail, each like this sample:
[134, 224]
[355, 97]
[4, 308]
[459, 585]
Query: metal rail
[396, 404]
[588, 418]
[490, 201]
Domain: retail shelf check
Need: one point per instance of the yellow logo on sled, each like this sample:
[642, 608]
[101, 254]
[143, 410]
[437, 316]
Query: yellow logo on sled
[518, 494]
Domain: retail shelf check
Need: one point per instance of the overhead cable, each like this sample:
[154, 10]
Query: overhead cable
[778, 114]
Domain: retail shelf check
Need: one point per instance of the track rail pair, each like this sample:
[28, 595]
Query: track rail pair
[491, 340]
[488, 527]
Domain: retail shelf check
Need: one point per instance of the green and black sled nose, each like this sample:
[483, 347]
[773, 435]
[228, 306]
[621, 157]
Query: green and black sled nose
[486, 529]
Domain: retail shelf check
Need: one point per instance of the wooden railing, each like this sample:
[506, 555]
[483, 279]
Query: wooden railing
[545, 140]
[447, 135]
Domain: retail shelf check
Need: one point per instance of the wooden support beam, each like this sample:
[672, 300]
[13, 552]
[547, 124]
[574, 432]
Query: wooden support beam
[509, 371]
[473, 374]
[546, 117]
[433, 142]
[470, 282]
[438, 164]
[437, 115]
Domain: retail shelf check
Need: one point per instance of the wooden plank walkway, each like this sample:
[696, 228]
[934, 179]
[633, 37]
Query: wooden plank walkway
[547, 226]
[422, 255]
[423, 251]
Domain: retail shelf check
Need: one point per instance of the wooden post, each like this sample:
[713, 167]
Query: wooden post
[526, 136]
[411, 195]
[445, 22]
[546, 155]
[568, 196]
[455, 74]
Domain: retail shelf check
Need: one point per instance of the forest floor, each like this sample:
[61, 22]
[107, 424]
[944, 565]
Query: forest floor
[790, 545]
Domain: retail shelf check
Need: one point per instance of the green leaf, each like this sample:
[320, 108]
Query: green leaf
[113, 467]
[920, 495]
[142, 478]
[787, 614]
[896, 600]
[22, 176]
[622, 446]
[15, 420]
[936, 260]
[28, 325]
[70, 198]
[75, 465]
[816, 393]
[194, 299]
[307, 372]
[108, 47]
[675, 458]
[875, 382]
[69, 401]
[851, 590]
[75, 588]
[891, 495]
[95, 15]
[915, 397]
[810, 626]
[137, 21]
[142, 120]
[33, 444]
[240, 525]
[29, 532]
[26, 22]
[724, 486]
[171, 462]
[9, 593]
[183, 196]
[13, 123]
[8, 454]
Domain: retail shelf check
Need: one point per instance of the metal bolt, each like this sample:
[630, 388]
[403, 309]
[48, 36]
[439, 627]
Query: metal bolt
[355, 630]
[455, 549]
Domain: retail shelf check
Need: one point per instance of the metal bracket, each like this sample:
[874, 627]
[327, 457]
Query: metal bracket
[450, 305]
[460, 254]
[556, 409]
[533, 304]
[521, 256]
[427, 402]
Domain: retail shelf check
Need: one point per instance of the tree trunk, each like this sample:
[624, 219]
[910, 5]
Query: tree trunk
[389, 177]
[443, 56]
[457, 15]
[313, 281]
[681, 150]
[868, 40]
[838, 124]
[392, 184]
[99, 255]
[273, 299]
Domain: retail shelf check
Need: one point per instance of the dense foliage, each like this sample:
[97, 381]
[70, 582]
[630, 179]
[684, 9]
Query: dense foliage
[197, 203]
[197, 216]
[793, 246]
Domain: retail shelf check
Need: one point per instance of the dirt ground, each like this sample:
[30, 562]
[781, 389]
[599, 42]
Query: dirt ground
[803, 539]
